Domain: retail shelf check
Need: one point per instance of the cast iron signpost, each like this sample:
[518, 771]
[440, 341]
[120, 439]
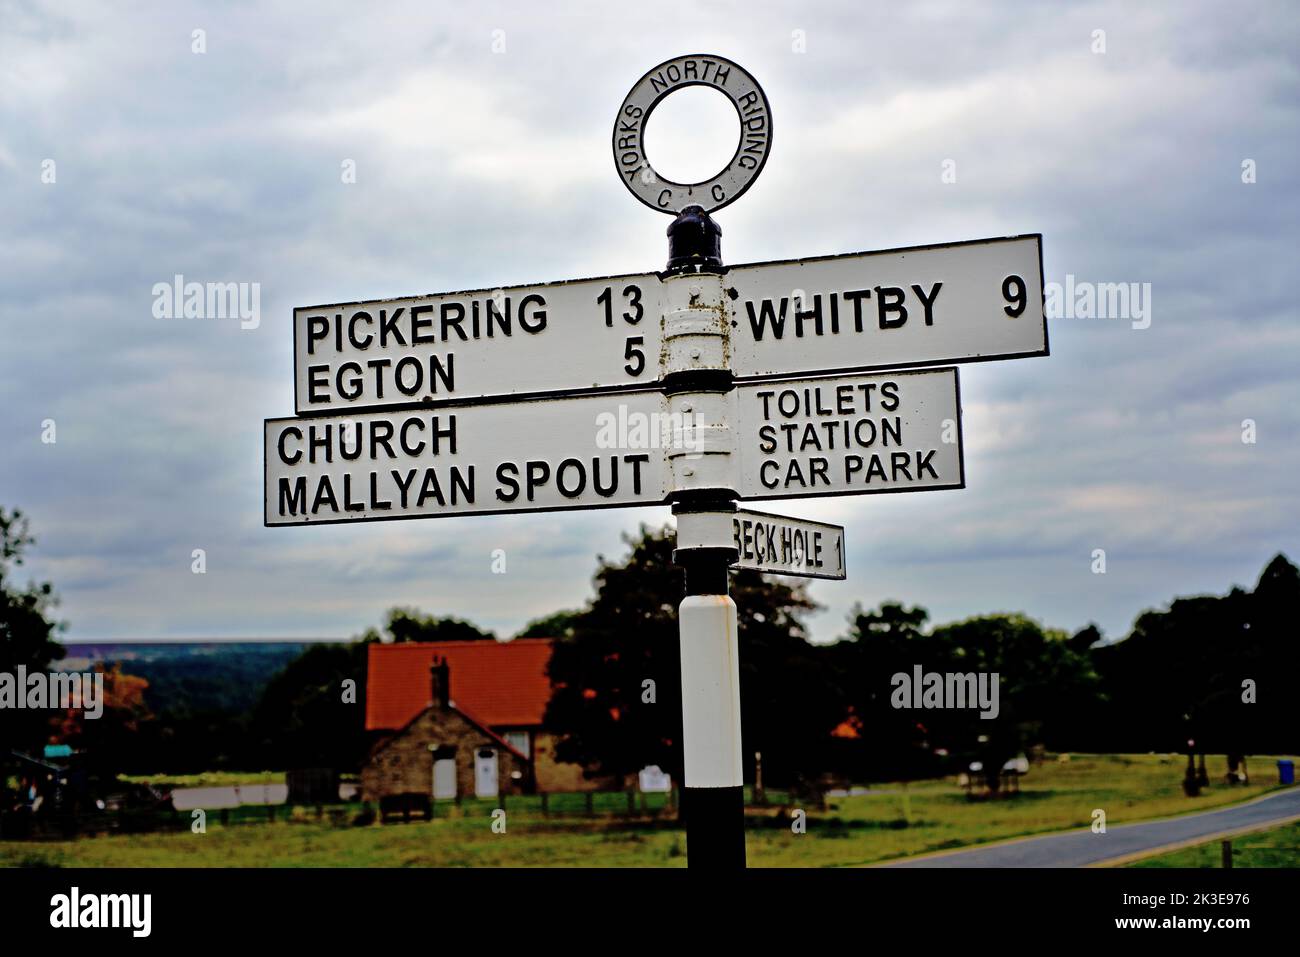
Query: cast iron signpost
[698, 386]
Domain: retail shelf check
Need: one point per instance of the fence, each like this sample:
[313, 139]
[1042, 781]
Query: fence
[609, 806]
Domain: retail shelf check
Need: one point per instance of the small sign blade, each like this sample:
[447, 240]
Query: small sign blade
[781, 545]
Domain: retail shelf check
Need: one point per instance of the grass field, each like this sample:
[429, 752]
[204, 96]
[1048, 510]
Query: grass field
[209, 779]
[1279, 847]
[893, 820]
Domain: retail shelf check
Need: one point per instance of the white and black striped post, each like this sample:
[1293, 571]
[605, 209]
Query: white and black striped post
[698, 381]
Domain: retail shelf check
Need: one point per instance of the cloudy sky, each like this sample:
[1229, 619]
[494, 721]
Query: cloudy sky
[480, 138]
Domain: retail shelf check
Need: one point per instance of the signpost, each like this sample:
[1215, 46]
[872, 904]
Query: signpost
[696, 386]
[513, 342]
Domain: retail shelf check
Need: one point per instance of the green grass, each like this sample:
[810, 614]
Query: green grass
[209, 779]
[1279, 847]
[897, 820]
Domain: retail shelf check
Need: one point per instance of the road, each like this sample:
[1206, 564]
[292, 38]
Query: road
[1082, 848]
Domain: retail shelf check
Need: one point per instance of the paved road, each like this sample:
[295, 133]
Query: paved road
[1083, 847]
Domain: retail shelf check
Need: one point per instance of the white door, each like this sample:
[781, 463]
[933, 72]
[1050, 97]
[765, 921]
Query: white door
[485, 772]
[444, 778]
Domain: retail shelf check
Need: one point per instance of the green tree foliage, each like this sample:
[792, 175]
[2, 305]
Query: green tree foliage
[108, 743]
[410, 624]
[26, 631]
[1182, 673]
[309, 715]
[1046, 688]
[558, 625]
[628, 636]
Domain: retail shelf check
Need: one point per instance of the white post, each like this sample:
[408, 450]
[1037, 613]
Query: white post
[697, 379]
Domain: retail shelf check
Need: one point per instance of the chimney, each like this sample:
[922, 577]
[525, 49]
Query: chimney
[440, 678]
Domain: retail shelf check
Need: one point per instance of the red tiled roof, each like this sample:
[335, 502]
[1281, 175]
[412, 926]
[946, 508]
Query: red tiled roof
[502, 683]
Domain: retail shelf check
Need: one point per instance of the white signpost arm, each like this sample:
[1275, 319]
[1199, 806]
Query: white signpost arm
[697, 378]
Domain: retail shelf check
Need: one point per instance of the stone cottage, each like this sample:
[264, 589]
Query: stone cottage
[460, 718]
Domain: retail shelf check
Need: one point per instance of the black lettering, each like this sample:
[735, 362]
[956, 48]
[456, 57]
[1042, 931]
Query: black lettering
[928, 301]
[890, 299]
[418, 448]
[421, 327]
[376, 502]
[318, 328]
[324, 494]
[403, 487]
[352, 331]
[317, 377]
[535, 321]
[575, 490]
[856, 296]
[408, 363]
[923, 465]
[766, 316]
[430, 488]
[296, 456]
[451, 315]
[507, 473]
[295, 500]
[381, 436]
[538, 473]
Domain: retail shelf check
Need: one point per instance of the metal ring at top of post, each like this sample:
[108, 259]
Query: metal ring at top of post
[717, 73]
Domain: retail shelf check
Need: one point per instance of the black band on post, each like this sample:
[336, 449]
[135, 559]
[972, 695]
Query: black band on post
[699, 380]
[694, 242]
[714, 842]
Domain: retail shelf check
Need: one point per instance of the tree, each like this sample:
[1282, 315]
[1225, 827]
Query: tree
[309, 717]
[410, 624]
[608, 719]
[1215, 669]
[110, 738]
[616, 701]
[558, 625]
[881, 643]
[1046, 688]
[1047, 691]
[26, 631]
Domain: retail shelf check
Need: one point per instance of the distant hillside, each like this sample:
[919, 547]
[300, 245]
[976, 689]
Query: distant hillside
[193, 677]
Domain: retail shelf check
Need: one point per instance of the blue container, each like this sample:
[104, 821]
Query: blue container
[1286, 772]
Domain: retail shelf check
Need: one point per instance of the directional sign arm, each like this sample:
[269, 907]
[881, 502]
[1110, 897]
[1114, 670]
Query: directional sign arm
[513, 342]
[926, 305]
